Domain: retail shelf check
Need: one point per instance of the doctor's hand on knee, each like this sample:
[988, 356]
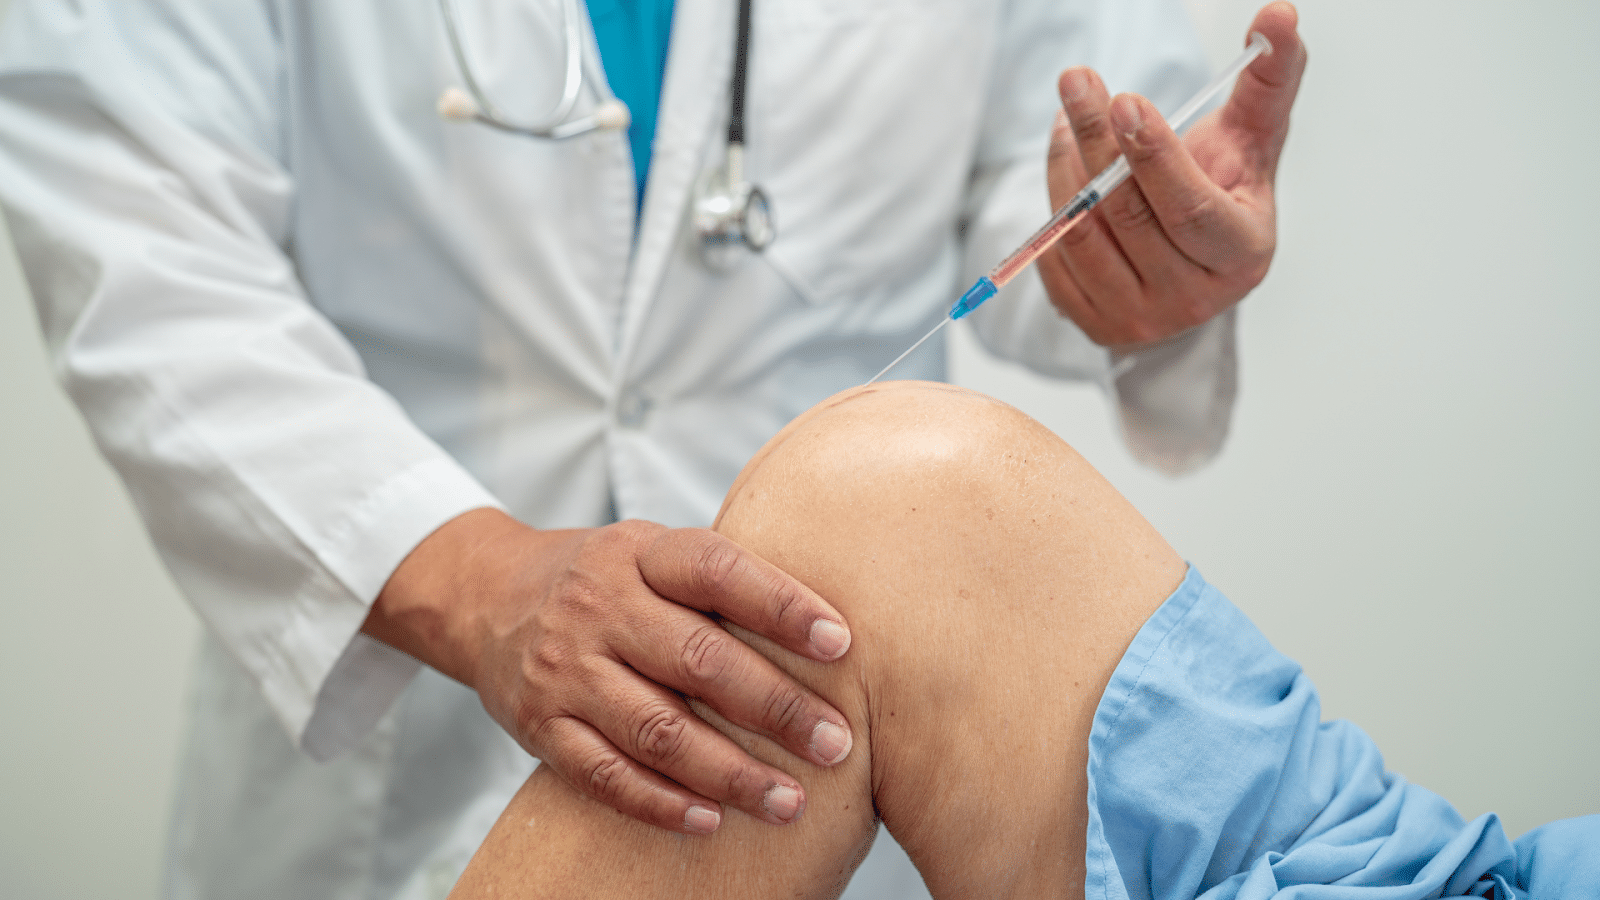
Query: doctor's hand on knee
[585, 643]
[1195, 228]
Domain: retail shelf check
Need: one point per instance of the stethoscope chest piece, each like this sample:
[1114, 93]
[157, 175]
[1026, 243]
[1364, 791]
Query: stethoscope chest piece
[731, 215]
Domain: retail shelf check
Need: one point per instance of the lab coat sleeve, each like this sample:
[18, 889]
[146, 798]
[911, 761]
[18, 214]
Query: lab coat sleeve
[1173, 401]
[143, 179]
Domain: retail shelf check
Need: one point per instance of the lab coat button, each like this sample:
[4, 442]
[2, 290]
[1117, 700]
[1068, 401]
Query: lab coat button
[632, 409]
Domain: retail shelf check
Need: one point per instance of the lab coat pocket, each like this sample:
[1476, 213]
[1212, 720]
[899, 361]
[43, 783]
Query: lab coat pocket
[862, 128]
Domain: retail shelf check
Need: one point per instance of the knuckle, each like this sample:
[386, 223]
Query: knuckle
[1136, 331]
[1258, 253]
[716, 564]
[528, 714]
[636, 530]
[1142, 151]
[1146, 331]
[708, 653]
[1192, 217]
[1130, 212]
[1091, 125]
[745, 781]
[1194, 312]
[1246, 263]
[630, 538]
[786, 601]
[604, 541]
[536, 729]
[603, 775]
[585, 583]
[1194, 220]
[549, 658]
[577, 588]
[784, 709]
[662, 737]
[1257, 272]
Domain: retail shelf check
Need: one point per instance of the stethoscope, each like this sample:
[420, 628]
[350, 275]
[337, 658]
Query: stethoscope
[729, 213]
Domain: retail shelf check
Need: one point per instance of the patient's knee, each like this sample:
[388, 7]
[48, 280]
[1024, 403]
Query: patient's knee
[917, 475]
[878, 450]
[991, 579]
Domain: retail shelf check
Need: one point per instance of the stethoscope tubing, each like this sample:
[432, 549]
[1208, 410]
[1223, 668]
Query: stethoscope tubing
[741, 74]
[554, 126]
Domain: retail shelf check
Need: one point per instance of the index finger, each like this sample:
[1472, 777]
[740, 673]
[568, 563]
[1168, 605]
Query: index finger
[706, 571]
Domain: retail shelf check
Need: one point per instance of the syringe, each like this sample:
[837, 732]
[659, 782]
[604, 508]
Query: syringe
[1076, 209]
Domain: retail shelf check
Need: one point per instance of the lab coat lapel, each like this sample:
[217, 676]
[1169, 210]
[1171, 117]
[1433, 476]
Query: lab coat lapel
[693, 114]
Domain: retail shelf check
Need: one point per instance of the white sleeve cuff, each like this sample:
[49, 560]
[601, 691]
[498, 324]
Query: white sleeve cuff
[363, 684]
[328, 683]
[1175, 400]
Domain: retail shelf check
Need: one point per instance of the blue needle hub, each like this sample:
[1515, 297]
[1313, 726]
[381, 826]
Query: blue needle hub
[973, 298]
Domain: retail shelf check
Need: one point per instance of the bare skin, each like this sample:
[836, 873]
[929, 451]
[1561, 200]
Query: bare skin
[992, 580]
[1195, 228]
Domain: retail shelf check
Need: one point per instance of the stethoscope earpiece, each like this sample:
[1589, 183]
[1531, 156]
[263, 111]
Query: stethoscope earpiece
[456, 105]
[612, 115]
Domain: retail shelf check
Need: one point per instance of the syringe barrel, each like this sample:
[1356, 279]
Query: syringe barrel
[1064, 218]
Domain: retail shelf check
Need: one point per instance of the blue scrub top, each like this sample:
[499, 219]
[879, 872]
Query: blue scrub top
[633, 35]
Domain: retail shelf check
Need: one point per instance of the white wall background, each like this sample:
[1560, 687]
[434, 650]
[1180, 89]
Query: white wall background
[1407, 504]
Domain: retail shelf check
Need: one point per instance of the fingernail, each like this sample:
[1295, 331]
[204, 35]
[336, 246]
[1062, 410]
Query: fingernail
[1126, 117]
[1074, 86]
[701, 820]
[830, 743]
[782, 803]
[829, 638]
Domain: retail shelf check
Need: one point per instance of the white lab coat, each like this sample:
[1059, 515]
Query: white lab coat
[308, 322]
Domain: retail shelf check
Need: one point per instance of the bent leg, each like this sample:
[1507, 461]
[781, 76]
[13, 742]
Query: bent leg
[991, 580]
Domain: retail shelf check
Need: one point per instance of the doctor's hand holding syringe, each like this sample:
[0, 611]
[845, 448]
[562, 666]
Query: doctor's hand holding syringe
[1194, 229]
[585, 643]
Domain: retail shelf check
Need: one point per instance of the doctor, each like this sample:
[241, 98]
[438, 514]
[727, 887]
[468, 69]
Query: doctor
[382, 385]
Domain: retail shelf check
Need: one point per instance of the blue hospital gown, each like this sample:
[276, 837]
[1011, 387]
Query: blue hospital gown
[1212, 775]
